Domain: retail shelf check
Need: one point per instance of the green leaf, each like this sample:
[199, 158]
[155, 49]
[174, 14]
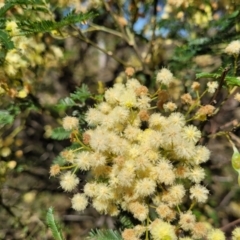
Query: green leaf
[5, 39]
[81, 94]
[53, 225]
[126, 221]
[60, 134]
[12, 3]
[107, 234]
[5, 118]
[207, 75]
[232, 81]
[66, 102]
[199, 41]
[59, 160]
[30, 27]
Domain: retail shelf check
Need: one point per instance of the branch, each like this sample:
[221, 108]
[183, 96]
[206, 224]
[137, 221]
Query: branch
[230, 225]
[109, 53]
[213, 100]
[154, 24]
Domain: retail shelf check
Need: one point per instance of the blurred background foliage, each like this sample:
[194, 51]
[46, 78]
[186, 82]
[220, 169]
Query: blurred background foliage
[49, 49]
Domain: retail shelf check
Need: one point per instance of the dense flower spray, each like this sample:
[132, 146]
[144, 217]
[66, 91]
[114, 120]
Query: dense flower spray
[141, 160]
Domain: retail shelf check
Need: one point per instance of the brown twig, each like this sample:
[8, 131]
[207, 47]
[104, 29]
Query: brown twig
[154, 22]
[109, 53]
[213, 100]
[128, 36]
[230, 225]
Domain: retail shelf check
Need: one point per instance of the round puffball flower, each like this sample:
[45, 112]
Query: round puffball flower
[145, 187]
[216, 234]
[70, 123]
[237, 97]
[68, 181]
[212, 86]
[129, 234]
[187, 220]
[164, 76]
[233, 48]
[236, 233]
[196, 174]
[169, 106]
[202, 154]
[79, 202]
[161, 230]
[199, 193]
[12, 27]
[139, 210]
[191, 134]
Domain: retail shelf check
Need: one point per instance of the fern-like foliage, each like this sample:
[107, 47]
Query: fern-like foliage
[53, 225]
[5, 118]
[60, 134]
[5, 39]
[107, 234]
[25, 3]
[125, 221]
[81, 94]
[29, 27]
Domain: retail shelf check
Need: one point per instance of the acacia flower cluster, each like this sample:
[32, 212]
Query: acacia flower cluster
[21, 61]
[140, 160]
[233, 48]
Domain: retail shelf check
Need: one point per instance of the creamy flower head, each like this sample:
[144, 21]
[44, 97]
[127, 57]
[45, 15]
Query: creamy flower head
[68, 181]
[145, 187]
[216, 234]
[70, 123]
[199, 193]
[165, 76]
[196, 174]
[164, 211]
[191, 134]
[187, 220]
[79, 202]
[237, 97]
[199, 230]
[195, 86]
[236, 233]
[129, 234]
[12, 27]
[161, 230]
[139, 210]
[212, 86]
[169, 106]
[202, 154]
[233, 48]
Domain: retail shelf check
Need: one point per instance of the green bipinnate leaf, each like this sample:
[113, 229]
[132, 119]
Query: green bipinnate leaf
[107, 234]
[5, 118]
[65, 103]
[81, 94]
[207, 75]
[232, 81]
[60, 133]
[5, 40]
[53, 225]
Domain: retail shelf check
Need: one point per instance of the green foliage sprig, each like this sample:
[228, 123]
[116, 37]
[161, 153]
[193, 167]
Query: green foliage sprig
[107, 234]
[29, 27]
[53, 225]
